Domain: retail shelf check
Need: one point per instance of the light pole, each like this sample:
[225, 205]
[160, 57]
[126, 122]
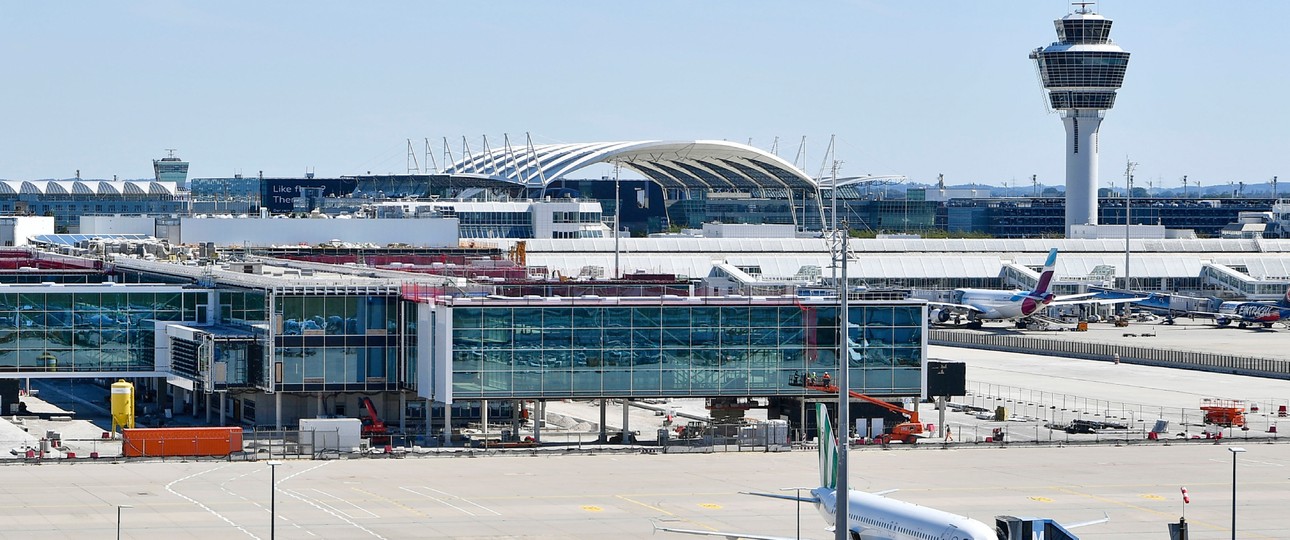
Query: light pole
[1234, 450]
[799, 508]
[118, 519]
[273, 497]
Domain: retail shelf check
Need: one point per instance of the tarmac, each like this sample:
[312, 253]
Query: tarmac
[604, 495]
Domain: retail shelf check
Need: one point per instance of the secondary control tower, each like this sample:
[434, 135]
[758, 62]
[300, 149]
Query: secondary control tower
[1081, 72]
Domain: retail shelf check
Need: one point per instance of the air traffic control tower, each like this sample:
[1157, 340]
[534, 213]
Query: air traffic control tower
[1081, 72]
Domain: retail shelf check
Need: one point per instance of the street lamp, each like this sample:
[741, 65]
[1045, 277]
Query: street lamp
[118, 519]
[1234, 450]
[799, 508]
[273, 497]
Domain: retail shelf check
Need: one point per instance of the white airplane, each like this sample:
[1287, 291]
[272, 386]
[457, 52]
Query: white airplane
[872, 516]
[995, 305]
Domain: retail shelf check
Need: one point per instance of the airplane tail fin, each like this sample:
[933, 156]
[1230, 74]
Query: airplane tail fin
[1285, 300]
[1046, 277]
[828, 447]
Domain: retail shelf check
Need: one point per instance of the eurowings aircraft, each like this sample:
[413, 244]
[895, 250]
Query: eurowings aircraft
[995, 305]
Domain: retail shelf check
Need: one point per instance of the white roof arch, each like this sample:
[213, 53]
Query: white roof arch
[673, 164]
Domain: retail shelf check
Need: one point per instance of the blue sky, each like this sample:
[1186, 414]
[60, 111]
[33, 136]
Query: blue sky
[913, 88]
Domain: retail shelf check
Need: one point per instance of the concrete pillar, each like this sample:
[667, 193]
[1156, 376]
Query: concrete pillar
[403, 413]
[539, 408]
[604, 432]
[223, 401]
[483, 416]
[318, 401]
[447, 424]
[277, 410]
[626, 426]
[208, 407]
[940, 404]
[801, 419]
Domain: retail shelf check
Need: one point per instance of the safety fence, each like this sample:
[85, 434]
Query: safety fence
[1202, 361]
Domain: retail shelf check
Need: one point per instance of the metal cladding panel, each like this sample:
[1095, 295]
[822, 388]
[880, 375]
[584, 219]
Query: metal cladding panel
[187, 441]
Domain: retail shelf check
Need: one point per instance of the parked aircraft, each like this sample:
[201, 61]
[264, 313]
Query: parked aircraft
[994, 305]
[1243, 313]
[872, 516]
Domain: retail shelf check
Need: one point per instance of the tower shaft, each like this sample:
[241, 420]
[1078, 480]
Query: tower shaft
[1081, 165]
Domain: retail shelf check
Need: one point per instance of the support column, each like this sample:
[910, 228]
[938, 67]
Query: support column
[447, 424]
[801, 419]
[318, 401]
[604, 432]
[483, 416]
[940, 404]
[403, 414]
[208, 407]
[277, 411]
[223, 401]
[539, 410]
[517, 406]
[626, 426]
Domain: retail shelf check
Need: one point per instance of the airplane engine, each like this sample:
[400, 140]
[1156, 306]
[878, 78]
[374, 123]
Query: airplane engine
[1222, 321]
[938, 316]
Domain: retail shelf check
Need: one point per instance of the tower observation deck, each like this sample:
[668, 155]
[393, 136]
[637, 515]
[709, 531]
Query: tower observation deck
[1081, 72]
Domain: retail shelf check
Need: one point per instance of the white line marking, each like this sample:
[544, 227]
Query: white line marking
[170, 488]
[320, 506]
[467, 501]
[346, 502]
[440, 501]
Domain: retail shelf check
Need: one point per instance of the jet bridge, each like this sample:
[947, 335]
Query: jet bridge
[1015, 528]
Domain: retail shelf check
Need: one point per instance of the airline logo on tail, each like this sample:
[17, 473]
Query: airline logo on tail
[1040, 297]
[828, 448]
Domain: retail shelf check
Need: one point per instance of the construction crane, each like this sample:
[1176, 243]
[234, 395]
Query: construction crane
[373, 427]
[907, 432]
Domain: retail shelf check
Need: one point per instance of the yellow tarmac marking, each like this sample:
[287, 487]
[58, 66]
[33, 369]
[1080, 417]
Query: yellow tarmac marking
[1041, 499]
[591, 508]
[1152, 496]
[392, 501]
[657, 509]
[711, 506]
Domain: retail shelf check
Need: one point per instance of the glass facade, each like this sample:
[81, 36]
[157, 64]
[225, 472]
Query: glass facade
[691, 348]
[80, 329]
[338, 343]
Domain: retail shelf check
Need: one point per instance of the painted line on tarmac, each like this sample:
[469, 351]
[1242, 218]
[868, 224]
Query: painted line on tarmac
[438, 500]
[660, 510]
[370, 514]
[465, 500]
[391, 501]
[170, 488]
[294, 495]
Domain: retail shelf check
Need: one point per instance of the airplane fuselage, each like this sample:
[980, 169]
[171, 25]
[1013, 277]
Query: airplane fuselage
[1252, 312]
[881, 517]
[999, 305]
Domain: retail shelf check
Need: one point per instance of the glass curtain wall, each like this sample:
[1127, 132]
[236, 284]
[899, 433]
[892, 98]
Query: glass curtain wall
[57, 331]
[671, 350]
[338, 343]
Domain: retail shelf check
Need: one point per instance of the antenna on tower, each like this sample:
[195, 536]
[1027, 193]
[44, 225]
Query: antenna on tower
[1082, 7]
[1034, 182]
[1184, 186]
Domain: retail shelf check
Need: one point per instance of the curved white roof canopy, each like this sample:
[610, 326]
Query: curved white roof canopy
[99, 188]
[673, 164]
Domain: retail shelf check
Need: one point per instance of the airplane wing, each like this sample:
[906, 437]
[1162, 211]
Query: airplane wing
[811, 500]
[1067, 301]
[964, 307]
[1105, 518]
[727, 535]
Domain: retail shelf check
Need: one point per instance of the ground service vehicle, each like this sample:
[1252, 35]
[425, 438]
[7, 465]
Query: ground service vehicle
[373, 427]
[907, 432]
